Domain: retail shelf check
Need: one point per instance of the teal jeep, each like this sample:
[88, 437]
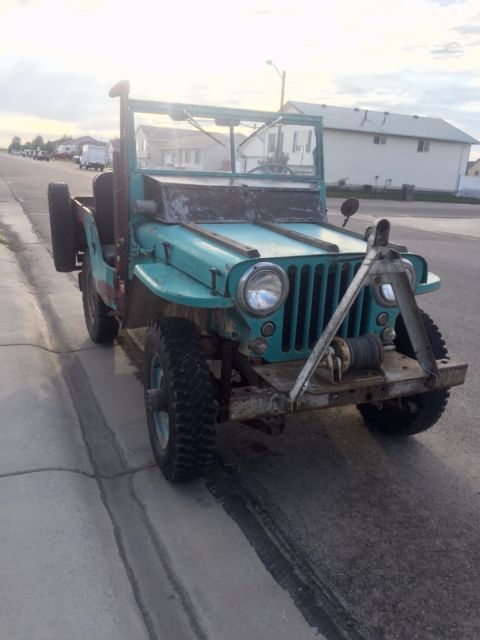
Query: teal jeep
[211, 231]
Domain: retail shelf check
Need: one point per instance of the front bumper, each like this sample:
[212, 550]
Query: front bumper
[401, 376]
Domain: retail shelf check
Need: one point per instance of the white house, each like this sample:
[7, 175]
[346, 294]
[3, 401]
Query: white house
[365, 147]
[278, 143]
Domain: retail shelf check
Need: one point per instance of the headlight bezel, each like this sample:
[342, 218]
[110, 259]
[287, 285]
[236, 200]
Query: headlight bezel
[254, 270]
[380, 296]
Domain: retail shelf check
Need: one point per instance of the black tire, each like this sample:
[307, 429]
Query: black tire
[102, 327]
[62, 226]
[182, 433]
[419, 412]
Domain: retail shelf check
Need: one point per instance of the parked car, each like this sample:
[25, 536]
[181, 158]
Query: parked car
[256, 306]
[76, 159]
[42, 155]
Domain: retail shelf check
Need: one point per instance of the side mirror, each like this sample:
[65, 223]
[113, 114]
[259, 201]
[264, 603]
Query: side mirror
[122, 88]
[348, 208]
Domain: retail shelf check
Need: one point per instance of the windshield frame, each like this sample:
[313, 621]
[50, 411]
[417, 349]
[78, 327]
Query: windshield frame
[181, 111]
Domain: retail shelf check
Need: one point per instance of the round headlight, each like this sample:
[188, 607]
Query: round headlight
[262, 289]
[386, 293]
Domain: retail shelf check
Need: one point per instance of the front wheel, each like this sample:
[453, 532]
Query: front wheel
[179, 400]
[101, 326]
[417, 413]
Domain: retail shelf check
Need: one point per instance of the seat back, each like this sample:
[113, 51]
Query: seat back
[103, 203]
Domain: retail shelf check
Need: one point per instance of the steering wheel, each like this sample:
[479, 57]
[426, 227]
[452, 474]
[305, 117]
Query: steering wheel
[275, 167]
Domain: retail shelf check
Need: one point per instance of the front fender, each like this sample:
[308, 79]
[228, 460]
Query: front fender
[172, 285]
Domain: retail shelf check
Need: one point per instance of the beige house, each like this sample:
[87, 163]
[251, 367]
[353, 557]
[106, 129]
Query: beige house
[473, 168]
[171, 148]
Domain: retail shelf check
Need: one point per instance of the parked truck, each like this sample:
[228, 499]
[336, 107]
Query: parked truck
[93, 157]
[256, 306]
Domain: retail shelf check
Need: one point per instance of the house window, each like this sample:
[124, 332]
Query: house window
[379, 139]
[271, 142]
[198, 157]
[186, 155]
[302, 141]
[423, 146]
[144, 145]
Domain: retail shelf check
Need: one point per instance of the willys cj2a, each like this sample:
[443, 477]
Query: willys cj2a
[211, 230]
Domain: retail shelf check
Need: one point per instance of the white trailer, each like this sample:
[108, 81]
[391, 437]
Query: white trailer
[93, 157]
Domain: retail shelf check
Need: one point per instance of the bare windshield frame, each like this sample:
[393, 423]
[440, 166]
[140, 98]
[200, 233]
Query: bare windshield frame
[229, 117]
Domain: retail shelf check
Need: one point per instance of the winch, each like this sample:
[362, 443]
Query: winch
[363, 353]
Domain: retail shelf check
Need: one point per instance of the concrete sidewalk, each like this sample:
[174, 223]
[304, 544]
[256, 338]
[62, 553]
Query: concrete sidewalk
[94, 543]
[62, 576]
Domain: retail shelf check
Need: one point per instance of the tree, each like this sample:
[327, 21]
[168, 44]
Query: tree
[15, 145]
[65, 138]
[37, 142]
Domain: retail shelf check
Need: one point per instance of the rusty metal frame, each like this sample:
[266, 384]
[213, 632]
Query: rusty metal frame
[120, 197]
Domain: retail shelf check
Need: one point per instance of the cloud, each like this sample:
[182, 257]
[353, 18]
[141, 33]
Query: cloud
[27, 89]
[448, 50]
[446, 3]
[470, 31]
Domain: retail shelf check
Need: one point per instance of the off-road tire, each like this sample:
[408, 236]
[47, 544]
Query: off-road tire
[62, 226]
[429, 406]
[173, 345]
[102, 327]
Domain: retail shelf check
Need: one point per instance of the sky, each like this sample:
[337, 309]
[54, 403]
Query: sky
[58, 60]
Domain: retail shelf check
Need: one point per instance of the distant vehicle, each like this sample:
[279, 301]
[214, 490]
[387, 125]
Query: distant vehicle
[42, 155]
[93, 157]
[76, 159]
[27, 153]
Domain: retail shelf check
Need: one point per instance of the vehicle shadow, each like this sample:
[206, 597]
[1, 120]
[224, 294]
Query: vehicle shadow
[385, 523]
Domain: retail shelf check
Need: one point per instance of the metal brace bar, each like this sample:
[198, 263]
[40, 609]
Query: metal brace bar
[414, 325]
[377, 240]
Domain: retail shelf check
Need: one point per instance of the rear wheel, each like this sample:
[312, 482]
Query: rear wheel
[102, 327]
[62, 226]
[179, 400]
[412, 414]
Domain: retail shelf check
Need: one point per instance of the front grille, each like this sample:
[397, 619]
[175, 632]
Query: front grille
[315, 291]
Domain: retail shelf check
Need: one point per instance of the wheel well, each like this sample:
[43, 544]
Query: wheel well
[143, 307]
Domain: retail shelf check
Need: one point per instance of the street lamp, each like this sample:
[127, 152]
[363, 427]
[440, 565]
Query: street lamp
[282, 75]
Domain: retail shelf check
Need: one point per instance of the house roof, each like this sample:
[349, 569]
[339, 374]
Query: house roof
[170, 138]
[86, 140]
[383, 122]
[197, 140]
[162, 133]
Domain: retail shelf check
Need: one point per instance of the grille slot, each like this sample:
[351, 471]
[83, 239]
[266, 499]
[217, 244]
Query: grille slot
[315, 291]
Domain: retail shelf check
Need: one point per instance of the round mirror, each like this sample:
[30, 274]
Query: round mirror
[349, 207]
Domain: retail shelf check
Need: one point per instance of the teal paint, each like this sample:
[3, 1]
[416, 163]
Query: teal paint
[103, 274]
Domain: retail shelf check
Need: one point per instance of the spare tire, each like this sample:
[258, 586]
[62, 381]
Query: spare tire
[62, 226]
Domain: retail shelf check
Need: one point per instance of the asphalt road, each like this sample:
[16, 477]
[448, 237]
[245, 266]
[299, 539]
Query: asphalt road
[383, 533]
